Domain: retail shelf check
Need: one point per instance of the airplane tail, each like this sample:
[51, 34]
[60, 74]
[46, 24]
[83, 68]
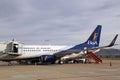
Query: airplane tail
[94, 38]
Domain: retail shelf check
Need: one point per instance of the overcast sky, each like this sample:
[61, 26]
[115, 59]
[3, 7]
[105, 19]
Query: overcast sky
[58, 21]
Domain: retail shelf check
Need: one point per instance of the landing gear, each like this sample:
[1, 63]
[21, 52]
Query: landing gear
[60, 62]
[27, 62]
[22, 62]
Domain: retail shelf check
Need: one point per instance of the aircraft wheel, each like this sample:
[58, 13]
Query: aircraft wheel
[60, 62]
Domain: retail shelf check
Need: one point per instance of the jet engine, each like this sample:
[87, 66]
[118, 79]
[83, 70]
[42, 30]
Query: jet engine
[48, 59]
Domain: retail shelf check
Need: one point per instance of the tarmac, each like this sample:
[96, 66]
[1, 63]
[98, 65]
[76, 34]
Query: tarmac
[108, 70]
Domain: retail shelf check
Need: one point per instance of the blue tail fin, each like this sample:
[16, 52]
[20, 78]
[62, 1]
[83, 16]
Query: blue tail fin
[94, 38]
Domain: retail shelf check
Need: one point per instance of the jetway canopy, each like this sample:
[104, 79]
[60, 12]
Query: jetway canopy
[12, 47]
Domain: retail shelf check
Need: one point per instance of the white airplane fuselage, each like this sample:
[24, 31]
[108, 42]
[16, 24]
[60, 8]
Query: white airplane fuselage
[29, 51]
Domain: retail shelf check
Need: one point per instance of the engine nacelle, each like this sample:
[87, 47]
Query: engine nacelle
[48, 59]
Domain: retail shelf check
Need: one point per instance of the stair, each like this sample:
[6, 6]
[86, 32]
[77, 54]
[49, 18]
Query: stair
[94, 57]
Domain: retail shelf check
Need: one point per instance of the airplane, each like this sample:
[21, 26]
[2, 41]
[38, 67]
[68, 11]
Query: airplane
[17, 51]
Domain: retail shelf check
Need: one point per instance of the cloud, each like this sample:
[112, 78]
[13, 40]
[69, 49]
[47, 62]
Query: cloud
[59, 22]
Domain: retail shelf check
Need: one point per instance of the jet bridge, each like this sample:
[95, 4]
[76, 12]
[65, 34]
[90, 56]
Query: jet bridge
[11, 47]
[14, 48]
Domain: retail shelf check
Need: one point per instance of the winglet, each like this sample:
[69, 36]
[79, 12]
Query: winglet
[113, 41]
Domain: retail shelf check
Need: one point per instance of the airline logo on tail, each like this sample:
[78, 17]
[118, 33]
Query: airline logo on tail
[94, 37]
[93, 40]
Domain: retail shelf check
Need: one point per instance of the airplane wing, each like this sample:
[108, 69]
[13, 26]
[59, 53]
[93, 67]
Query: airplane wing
[110, 45]
[68, 52]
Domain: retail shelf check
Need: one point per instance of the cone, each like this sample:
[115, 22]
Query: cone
[110, 63]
